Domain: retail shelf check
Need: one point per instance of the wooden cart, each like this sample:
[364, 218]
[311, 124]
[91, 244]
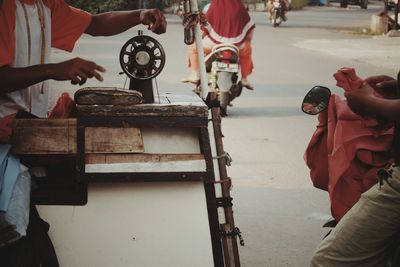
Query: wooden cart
[147, 175]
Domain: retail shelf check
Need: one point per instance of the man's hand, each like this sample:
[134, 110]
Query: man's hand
[154, 19]
[361, 100]
[76, 70]
[384, 85]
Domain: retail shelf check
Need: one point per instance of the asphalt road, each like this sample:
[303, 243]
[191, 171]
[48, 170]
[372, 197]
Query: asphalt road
[276, 207]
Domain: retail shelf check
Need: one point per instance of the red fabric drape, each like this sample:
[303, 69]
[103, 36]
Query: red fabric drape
[346, 150]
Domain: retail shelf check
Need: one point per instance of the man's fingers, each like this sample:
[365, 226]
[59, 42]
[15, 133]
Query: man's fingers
[99, 68]
[82, 77]
[96, 74]
[378, 79]
[387, 84]
[92, 70]
[83, 81]
[74, 79]
[157, 22]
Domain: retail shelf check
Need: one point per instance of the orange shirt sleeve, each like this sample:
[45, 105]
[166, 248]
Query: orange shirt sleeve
[68, 24]
[7, 32]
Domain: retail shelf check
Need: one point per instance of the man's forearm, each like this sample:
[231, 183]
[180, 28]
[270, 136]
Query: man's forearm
[388, 109]
[111, 23]
[14, 79]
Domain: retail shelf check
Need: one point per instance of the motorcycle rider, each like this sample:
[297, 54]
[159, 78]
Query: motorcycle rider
[270, 7]
[367, 233]
[228, 23]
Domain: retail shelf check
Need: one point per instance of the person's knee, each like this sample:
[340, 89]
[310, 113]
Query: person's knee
[318, 259]
[323, 255]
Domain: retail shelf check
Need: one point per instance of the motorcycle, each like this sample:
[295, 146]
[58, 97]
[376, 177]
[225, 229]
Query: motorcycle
[315, 102]
[277, 13]
[223, 69]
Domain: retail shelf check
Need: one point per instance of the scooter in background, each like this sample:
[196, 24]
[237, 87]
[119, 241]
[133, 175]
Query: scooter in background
[277, 16]
[223, 68]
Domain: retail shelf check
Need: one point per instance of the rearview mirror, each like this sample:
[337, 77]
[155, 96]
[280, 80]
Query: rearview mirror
[316, 100]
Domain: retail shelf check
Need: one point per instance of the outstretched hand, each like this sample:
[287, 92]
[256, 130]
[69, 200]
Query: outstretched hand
[360, 100]
[386, 86]
[76, 70]
[154, 19]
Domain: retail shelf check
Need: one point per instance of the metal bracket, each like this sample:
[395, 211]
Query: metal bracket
[383, 176]
[235, 232]
[227, 157]
[224, 202]
[227, 181]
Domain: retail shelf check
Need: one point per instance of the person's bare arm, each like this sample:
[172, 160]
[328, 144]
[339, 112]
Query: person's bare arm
[384, 85]
[14, 79]
[363, 102]
[76, 70]
[111, 23]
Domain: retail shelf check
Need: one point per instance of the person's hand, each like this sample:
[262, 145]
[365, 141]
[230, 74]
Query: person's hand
[76, 70]
[384, 85]
[154, 19]
[360, 100]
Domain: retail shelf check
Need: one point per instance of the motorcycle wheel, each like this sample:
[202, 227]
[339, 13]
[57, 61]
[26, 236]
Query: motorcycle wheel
[223, 103]
[274, 18]
[236, 90]
[364, 4]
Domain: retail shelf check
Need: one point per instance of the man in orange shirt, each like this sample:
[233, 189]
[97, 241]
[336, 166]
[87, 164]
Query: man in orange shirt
[29, 28]
[28, 31]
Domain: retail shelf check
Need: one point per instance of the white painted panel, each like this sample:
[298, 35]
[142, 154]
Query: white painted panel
[171, 140]
[138, 224]
[172, 166]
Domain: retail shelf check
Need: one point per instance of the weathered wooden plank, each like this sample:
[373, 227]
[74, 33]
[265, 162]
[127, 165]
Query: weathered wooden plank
[137, 163]
[42, 136]
[48, 136]
[126, 158]
[143, 121]
[169, 106]
[113, 140]
[143, 111]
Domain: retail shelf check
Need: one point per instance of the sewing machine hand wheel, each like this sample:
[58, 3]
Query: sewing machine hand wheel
[142, 58]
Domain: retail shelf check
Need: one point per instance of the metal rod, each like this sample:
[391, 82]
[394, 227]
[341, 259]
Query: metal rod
[396, 15]
[205, 89]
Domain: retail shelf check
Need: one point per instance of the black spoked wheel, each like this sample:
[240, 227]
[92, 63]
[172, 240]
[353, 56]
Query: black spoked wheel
[142, 57]
[274, 18]
[236, 91]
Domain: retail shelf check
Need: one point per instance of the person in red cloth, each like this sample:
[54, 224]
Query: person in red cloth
[344, 153]
[367, 235]
[28, 31]
[228, 22]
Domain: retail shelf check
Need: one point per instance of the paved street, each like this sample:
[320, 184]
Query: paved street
[275, 204]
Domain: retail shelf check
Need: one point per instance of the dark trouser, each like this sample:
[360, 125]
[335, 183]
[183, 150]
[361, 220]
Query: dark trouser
[34, 250]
